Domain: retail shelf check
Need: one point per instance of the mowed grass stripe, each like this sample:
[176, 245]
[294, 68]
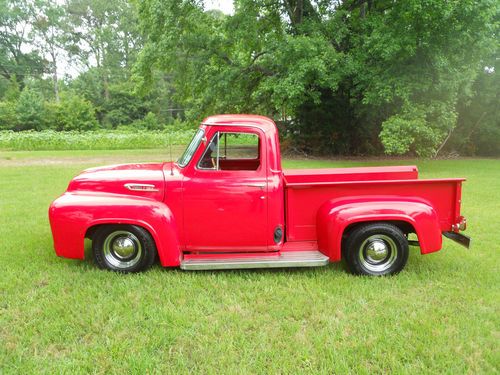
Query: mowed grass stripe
[59, 315]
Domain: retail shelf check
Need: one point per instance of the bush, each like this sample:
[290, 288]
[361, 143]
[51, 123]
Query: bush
[417, 130]
[123, 106]
[178, 124]
[8, 118]
[72, 113]
[114, 118]
[149, 122]
[30, 111]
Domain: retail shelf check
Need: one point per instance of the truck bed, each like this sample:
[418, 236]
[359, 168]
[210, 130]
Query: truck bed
[307, 190]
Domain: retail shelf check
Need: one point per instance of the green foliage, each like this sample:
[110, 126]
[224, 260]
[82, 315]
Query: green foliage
[11, 92]
[338, 78]
[401, 132]
[8, 118]
[89, 86]
[123, 106]
[418, 129]
[296, 61]
[17, 60]
[71, 113]
[30, 111]
[125, 138]
[478, 128]
[149, 122]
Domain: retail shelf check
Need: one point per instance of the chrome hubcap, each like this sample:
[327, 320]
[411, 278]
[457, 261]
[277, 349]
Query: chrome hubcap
[378, 253]
[122, 249]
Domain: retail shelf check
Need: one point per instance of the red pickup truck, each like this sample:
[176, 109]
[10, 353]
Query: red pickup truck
[227, 203]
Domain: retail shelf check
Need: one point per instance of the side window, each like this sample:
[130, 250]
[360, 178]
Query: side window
[232, 151]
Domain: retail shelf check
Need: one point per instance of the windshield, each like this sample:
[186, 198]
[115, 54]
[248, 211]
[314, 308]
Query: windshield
[193, 145]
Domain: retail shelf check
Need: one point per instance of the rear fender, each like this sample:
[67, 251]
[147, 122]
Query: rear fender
[335, 216]
[73, 214]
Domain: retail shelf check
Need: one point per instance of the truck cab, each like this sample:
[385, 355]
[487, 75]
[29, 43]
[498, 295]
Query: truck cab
[227, 203]
[232, 187]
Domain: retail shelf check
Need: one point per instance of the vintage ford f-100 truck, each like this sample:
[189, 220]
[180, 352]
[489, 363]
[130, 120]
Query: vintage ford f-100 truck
[227, 203]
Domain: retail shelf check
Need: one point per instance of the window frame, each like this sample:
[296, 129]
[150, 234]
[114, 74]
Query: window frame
[217, 134]
[198, 143]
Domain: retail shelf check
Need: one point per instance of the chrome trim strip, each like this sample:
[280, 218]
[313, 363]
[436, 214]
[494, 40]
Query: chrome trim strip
[284, 260]
[261, 186]
[141, 187]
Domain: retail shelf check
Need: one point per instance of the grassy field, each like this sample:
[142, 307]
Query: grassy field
[441, 315]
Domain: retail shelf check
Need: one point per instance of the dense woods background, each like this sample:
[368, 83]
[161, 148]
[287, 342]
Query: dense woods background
[358, 77]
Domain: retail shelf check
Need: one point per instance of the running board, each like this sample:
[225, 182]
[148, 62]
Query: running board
[280, 260]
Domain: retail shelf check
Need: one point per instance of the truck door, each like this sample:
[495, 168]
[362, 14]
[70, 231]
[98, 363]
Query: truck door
[225, 193]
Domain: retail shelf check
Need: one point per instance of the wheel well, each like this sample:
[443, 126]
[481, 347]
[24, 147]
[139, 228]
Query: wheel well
[91, 230]
[166, 241]
[404, 226]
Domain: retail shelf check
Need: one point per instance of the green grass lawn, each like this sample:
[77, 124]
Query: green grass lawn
[440, 315]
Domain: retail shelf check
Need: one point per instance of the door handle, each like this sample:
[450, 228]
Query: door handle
[262, 186]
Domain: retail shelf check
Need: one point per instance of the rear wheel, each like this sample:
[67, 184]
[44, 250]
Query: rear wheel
[376, 249]
[124, 248]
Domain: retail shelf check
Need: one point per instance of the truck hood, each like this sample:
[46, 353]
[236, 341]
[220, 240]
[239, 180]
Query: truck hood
[146, 180]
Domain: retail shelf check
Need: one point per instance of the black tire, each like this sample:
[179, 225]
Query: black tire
[376, 249]
[123, 248]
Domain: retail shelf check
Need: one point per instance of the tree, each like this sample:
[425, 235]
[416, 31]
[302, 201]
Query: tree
[19, 58]
[478, 125]
[104, 34]
[49, 30]
[334, 71]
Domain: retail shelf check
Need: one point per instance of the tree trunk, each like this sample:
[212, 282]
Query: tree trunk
[56, 86]
[444, 142]
[54, 77]
[105, 78]
[100, 59]
[105, 84]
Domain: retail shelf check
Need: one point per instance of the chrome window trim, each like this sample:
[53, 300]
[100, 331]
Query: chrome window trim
[206, 150]
[199, 132]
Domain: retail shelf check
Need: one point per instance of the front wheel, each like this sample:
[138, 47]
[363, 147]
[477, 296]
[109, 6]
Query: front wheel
[123, 248]
[376, 249]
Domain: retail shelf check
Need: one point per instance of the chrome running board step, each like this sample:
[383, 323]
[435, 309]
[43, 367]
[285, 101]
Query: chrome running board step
[278, 260]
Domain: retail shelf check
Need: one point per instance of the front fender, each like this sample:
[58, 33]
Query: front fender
[72, 214]
[335, 216]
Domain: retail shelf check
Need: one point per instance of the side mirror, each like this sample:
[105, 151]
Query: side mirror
[204, 140]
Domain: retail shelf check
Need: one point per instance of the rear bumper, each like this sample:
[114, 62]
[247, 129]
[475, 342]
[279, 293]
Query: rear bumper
[459, 238]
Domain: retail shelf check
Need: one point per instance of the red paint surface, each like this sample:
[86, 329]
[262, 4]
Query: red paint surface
[197, 211]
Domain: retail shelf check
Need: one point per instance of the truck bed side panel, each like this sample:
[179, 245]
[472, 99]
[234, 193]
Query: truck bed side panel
[304, 199]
